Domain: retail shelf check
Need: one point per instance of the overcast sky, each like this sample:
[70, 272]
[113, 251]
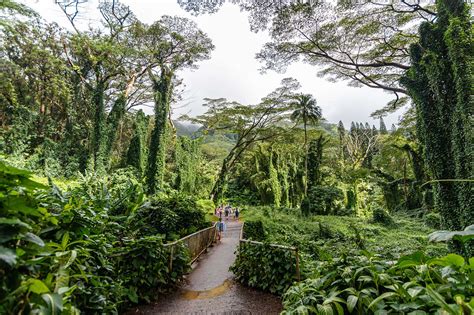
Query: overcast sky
[233, 72]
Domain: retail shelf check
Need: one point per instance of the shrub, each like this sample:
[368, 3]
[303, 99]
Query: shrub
[172, 216]
[125, 190]
[432, 220]
[143, 266]
[206, 205]
[321, 200]
[63, 253]
[356, 284]
[254, 230]
[265, 267]
[381, 216]
[325, 231]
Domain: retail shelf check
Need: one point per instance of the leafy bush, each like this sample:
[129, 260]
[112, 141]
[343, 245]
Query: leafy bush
[322, 200]
[205, 205]
[432, 220]
[368, 285]
[143, 266]
[126, 190]
[63, 252]
[173, 216]
[325, 231]
[254, 230]
[265, 267]
[379, 215]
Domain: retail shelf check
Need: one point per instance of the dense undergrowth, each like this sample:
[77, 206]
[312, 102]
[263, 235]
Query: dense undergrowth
[94, 249]
[379, 265]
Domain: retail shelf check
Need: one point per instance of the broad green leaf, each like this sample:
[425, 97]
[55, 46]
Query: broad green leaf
[71, 258]
[30, 237]
[439, 300]
[415, 291]
[54, 302]
[19, 204]
[8, 256]
[65, 240]
[132, 295]
[325, 309]
[15, 221]
[351, 302]
[382, 297]
[415, 259]
[37, 286]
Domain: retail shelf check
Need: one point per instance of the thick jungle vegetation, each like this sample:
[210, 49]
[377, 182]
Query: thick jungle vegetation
[92, 187]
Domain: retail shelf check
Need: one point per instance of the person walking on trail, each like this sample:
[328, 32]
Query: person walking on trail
[236, 214]
[220, 229]
[226, 213]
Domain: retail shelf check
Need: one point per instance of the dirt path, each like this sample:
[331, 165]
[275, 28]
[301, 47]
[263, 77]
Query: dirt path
[210, 288]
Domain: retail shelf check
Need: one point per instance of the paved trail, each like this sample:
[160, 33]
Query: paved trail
[210, 288]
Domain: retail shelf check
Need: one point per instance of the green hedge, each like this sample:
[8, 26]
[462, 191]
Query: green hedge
[265, 267]
[254, 230]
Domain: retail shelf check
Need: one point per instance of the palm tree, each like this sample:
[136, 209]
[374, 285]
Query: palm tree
[307, 111]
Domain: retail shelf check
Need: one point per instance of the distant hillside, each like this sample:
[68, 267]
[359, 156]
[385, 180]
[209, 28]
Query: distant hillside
[185, 129]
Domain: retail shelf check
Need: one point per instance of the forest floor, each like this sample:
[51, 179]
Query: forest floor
[210, 289]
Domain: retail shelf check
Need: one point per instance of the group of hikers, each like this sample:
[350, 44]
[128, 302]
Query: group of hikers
[227, 211]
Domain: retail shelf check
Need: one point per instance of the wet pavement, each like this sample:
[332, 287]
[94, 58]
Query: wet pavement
[210, 289]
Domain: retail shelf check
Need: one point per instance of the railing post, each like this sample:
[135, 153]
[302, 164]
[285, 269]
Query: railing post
[298, 276]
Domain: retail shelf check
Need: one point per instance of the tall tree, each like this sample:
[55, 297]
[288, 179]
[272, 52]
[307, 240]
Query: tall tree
[341, 132]
[382, 128]
[308, 112]
[439, 59]
[172, 43]
[107, 63]
[315, 159]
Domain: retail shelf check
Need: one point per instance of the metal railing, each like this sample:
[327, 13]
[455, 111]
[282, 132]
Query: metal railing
[196, 243]
[283, 247]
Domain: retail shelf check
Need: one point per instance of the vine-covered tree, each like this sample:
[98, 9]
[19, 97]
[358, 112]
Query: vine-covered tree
[172, 44]
[440, 84]
[308, 112]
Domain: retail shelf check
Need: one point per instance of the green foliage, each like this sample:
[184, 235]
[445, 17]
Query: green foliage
[65, 252]
[143, 266]
[254, 230]
[205, 205]
[315, 157]
[332, 236]
[442, 55]
[368, 285]
[322, 200]
[432, 220]
[265, 267]
[173, 216]
[379, 215]
[188, 161]
[463, 240]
